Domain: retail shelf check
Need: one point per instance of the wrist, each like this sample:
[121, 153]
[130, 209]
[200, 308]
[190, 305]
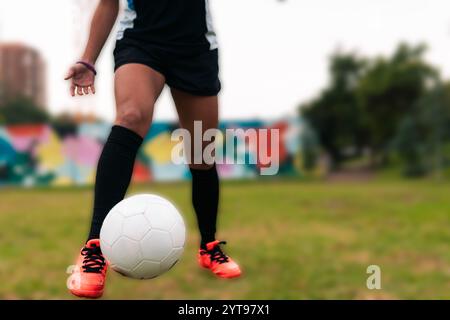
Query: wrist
[89, 65]
[89, 58]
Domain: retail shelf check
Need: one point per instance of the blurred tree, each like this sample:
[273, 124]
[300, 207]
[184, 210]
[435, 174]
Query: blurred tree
[310, 150]
[64, 124]
[22, 111]
[409, 144]
[335, 114]
[429, 134]
[389, 90]
[367, 104]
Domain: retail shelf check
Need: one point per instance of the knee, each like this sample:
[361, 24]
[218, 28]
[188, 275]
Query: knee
[133, 118]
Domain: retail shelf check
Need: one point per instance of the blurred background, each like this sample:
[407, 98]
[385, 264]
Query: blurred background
[360, 91]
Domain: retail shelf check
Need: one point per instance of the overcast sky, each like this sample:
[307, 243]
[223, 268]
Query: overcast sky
[274, 54]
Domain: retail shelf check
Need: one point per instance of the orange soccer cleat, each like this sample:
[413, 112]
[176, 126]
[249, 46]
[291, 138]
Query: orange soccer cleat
[88, 276]
[217, 261]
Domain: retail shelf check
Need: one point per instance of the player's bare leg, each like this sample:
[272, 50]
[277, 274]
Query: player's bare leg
[205, 183]
[137, 87]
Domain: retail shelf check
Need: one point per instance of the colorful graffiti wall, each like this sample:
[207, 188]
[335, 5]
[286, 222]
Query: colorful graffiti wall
[36, 155]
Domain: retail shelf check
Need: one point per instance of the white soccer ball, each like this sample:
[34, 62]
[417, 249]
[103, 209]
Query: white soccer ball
[143, 236]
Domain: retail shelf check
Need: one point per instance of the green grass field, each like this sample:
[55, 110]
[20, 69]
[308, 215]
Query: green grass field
[295, 240]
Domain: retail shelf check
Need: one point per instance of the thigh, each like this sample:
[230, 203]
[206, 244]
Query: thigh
[136, 87]
[197, 73]
[193, 108]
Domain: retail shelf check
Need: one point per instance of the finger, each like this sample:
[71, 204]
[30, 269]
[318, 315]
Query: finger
[69, 74]
[80, 91]
[92, 89]
[72, 90]
[86, 90]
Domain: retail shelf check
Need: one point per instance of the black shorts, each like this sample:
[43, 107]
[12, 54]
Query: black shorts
[192, 70]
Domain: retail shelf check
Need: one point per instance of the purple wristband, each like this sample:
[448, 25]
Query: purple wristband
[89, 66]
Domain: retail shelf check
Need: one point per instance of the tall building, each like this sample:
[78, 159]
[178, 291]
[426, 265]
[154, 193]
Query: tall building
[22, 74]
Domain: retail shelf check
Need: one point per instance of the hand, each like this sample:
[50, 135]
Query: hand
[82, 80]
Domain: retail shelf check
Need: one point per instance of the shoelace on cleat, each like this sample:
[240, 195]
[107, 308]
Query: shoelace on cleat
[217, 254]
[93, 261]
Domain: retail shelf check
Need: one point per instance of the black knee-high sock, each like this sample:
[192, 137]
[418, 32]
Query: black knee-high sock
[114, 171]
[205, 199]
